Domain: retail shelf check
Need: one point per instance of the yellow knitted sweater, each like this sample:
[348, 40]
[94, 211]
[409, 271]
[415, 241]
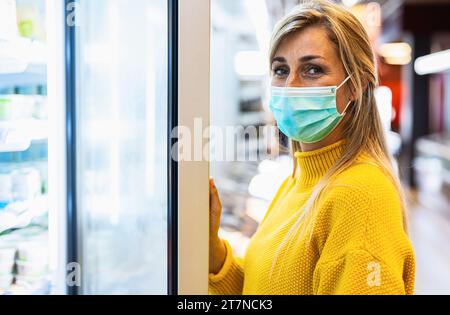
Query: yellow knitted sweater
[357, 245]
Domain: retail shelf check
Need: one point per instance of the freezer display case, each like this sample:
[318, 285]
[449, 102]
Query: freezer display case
[24, 198]
[120, 115]
[102, 205]
[91, 200]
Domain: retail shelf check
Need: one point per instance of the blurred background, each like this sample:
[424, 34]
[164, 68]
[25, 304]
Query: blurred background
[411, 39]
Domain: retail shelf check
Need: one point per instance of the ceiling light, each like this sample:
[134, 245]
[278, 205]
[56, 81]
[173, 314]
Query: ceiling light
[433, 63]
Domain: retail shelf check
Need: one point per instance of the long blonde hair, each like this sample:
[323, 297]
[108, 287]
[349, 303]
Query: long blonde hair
[363, 130]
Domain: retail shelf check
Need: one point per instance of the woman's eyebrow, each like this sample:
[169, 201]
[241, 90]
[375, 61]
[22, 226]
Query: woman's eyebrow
[279, 59]
[302, 59]
[310, 57]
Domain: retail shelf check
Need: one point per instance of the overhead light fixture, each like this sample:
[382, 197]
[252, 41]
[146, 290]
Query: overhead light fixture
[383, 97]
[349, 3]
[433, 63]
[398, 61]
[251, 63]
[395, 53]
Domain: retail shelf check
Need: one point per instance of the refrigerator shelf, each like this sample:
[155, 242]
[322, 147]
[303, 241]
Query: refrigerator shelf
[23, 61]
[17, 135]
[39, 288]
[18, 53]
[24, 213]
[15, 146]
[34, 74]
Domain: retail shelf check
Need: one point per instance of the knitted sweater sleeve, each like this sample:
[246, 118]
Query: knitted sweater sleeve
[230, 279]
[359, 272]
[365, 249]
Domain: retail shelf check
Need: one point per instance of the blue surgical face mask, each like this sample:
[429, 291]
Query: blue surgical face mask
[306, 114]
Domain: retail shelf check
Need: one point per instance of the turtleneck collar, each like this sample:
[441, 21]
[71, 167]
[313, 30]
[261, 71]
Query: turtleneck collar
[314, 164]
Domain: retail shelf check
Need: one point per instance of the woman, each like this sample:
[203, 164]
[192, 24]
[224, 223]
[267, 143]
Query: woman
[337, 224]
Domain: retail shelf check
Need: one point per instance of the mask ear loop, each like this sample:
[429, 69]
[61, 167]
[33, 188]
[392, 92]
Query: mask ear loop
[348, 104]
[343, 82]
[345, 109]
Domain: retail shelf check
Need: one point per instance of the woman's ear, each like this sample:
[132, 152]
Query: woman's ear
[364, 85]
[353, 94]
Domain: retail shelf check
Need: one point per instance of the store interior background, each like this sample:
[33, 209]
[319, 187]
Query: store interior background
[413, 98]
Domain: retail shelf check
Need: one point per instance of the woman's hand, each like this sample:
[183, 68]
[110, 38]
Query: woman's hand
[217, 250]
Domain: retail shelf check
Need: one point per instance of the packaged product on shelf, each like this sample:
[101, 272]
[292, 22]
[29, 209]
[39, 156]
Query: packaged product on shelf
[15, 215]
[25, 106]
[40, 107]
[7, 255]
[8, 19]
[14, 106]
[7, 220]
[26, 90]
[5, 189]
[28, 280]
[32, 269]
[28, 234]
[30, 19]
[32, 252]
[6, 281]
[32, 261]
[6, 108]
[6, 268]
[27, 250]
[22, 202]
[17, 207]
[26, 183]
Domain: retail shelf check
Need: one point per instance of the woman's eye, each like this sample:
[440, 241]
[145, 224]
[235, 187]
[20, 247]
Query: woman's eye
[313, 71]
[280, 72]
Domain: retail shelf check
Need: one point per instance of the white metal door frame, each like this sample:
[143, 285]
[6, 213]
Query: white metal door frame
[193, 104]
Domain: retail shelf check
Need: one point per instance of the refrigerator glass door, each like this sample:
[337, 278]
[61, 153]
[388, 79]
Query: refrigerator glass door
[121, 131]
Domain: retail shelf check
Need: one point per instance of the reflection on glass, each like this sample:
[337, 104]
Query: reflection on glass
[122, 91]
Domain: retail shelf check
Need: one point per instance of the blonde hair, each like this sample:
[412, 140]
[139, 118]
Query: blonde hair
[363, 130]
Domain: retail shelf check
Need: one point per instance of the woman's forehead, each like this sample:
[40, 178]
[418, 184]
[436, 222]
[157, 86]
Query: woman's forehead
[309, 41]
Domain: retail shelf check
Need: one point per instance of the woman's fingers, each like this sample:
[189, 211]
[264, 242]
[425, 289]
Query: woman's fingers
[215, 209]
[212, 186]
[211, 191]
[214, 200]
